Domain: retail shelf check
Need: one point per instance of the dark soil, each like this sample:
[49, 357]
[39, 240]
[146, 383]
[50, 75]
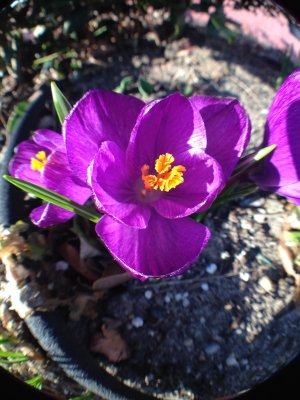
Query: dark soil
[232, 314]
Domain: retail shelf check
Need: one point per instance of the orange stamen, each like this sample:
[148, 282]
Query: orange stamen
[167, 178]
[38, 161]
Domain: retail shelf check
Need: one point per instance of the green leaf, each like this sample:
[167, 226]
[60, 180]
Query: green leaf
[292, 236]
[54, 198]
[14, 361]
[36, 381]
[298, 212]
[249, 161]
[123, 86]
[61, 104]
[144, 87]
[13, 354]
[86, 396]
[100, 30]
[7, 339]
[15, 116]
[217, 24]
[264, 152]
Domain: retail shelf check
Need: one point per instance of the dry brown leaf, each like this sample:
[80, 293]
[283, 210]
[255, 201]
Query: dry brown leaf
[83, 304]
[72, 256]
[110, 343]
[109, 282]
[11, 243]
[286, 258]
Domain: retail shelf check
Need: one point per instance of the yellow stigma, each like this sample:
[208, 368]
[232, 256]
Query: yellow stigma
[38, 161]
[167, 178]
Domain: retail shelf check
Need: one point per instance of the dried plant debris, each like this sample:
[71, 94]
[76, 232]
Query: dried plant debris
[110, 343]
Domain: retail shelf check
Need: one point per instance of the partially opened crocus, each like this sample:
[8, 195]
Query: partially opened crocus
[42, 160]
[280, 171]
[150, 166]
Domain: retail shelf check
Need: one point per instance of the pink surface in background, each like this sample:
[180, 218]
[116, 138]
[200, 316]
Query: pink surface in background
[269, 31]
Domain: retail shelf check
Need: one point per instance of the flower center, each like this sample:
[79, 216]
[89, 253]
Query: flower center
[167, 177]
[38, 161]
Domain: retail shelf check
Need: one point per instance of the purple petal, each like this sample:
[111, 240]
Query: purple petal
[165, 248]
[20, 165]
[291, 192]
[49, 139]
[203, 180]
[282, 167]
[165, 126]
[227, 128]
[56, 170]
[49, 214]
[113, 190]
[100, 115]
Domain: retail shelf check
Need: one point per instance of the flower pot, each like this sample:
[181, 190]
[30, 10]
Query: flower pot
[59, 341]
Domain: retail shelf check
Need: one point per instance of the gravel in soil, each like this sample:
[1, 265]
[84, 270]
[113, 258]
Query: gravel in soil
[232, 312]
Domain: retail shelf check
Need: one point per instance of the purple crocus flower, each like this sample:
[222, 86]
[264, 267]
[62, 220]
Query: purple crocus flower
[280, 171]
[42, 160]
[150, 166]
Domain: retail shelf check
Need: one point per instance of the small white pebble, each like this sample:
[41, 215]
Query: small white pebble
[148, 294]
[212, 348]
[246, 224]
[204, 286]
[244, 276]
[264, 111]
[185, 302]
[225, 255]
[266, 283]
[137, 322]
[259, 218]
[61, 265]
[211, 268]
[241, 255]
[231, 361]
[188, 343]
[238, 331]
[185, 295]
[167, 298]
[178, 296]
[257, 203]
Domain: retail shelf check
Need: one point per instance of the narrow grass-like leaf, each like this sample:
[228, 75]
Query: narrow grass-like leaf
[264, 152]
[86, 396]
[292, 236]
[100, 30]
[52, 197]
[61, 104]
[36, 381]
[15, 116]
[12, 357]
[144, 87]
[6, 339]
[12, 354]
[123, 86]
[14, 361]
[224, 198]
[249, 161]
